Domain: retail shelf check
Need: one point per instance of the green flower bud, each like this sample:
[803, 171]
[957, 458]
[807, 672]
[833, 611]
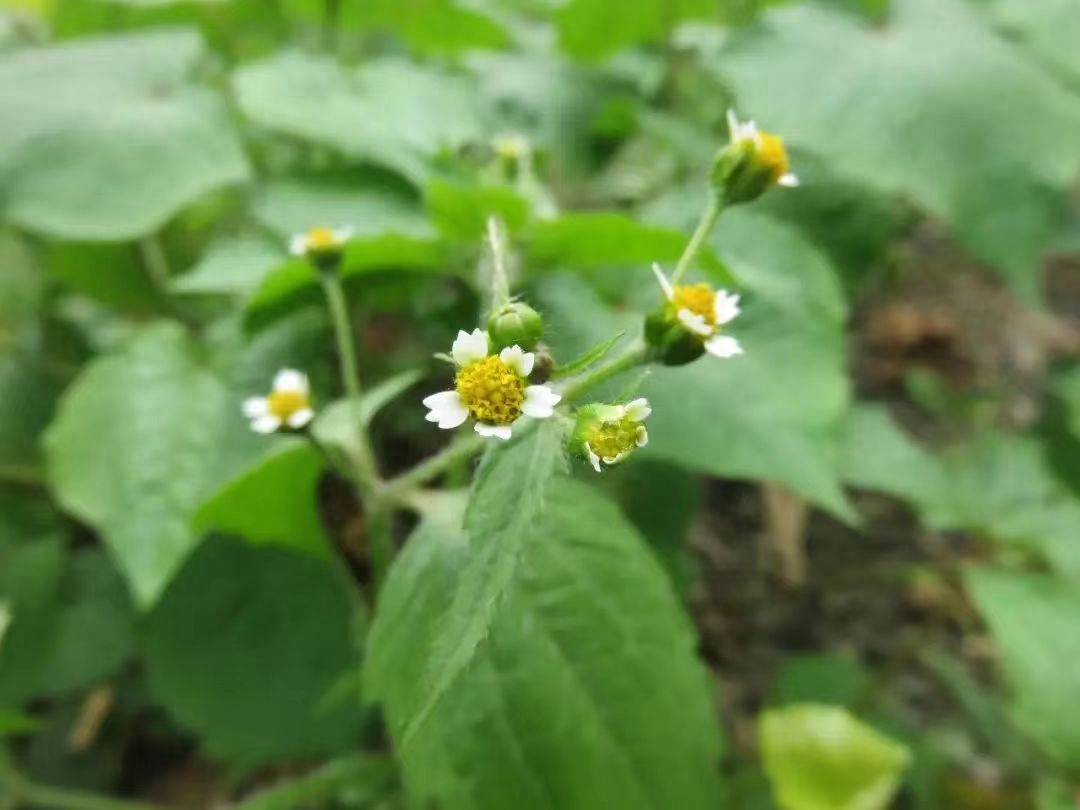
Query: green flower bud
[672, 344]
[750, 165]
[515, 324]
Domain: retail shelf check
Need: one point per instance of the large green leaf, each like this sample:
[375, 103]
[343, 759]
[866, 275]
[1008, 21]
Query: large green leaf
[108, 138]
[245, 647]
[1051, 28]
[932, 105]
[823, 758]
[1034, 620]
[131, 448]
[513, 657]
[430, 26]
[274, 501]
[591, 29]
[388, 112]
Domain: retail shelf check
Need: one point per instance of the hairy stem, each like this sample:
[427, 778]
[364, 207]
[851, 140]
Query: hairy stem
[500, 280]
[634, 356]
[704, 228]
[460, 449]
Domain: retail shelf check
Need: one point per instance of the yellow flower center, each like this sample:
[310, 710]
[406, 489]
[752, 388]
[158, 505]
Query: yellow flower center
[322, 238]
[698, 298]
[772, 155]
[284, 404]
[491, 390]
[611, 439]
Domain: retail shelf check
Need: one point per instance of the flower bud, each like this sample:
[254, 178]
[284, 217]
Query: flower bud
[515, 324]
[322, 246]
[672, 344]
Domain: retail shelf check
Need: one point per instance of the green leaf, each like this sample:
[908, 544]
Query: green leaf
[737, 417]
[431, 26]
[512, 661]
[916, 107]
[591, 357]
[1033, 619]
[1050, 28]
[244, 648]
[231, 266]
[592, 29]
[420, 112]
[131, 448]
[823, 758]
[463, 211]
[293, 205]
[273, 502]
[108, 138]
[589, 239]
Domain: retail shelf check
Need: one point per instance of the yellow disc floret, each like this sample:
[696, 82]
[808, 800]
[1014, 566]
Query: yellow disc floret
[492, 391]
[284, 404]
[322, 238]
[772, 155]
[698, 298]
[613, 439]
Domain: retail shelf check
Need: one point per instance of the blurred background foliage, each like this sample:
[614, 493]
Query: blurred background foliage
[873, 517]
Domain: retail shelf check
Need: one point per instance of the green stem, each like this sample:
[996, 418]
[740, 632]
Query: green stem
[704, 228]
[500, 281]
[460, 449]
[634, 356]
[376, 776]
[366, 474]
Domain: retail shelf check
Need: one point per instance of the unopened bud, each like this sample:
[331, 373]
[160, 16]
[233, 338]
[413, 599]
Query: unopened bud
[515, 324]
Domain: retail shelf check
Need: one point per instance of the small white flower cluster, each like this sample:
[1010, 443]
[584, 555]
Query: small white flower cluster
[287, 405]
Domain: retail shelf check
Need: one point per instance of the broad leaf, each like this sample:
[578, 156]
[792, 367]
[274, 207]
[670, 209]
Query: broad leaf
[917, 107]
[274, 501]
[246, 644]
[590, 29]
[231, 266]
[131, 448]
[512, 660]
[590, 239]
[431, 26]
[108, 138]
[1033, 619]
[389, 112]
[823, 758]
[1050, 28]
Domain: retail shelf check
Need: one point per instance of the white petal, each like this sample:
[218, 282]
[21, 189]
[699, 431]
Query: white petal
[290, 380]
[789, 180]
[265, 424]
[498, 431]
[609, 460]
[521, 361]
[254, 407]
[726, 307]
[638, 410]
[540, 402]
[665, 285]
[301, 418]
[695, 323]
[468, 348]
[593, 458]
[343, 234]
[723, 346]
[642, 436]
[447, 409]
[298, 245]
[734, 128]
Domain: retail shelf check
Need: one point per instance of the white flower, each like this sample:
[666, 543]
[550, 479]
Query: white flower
[703, 311]
[288, 405]
[319, 240]
[491, 389]
[611, 432]
[768, 148]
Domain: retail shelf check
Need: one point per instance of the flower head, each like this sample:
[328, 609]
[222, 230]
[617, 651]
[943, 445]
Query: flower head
[607, 434]
[695, 314]
[492, 389]
[321, 243]
[510, 147]
[750, 164]
[288, 404]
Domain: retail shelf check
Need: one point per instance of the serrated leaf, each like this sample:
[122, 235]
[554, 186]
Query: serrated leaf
[823, 758]
[109, 138]
[559, 620]
[1033, 619]
[246, 644]
[272, 502]
[132, 447]
[915, 107]
[419, 112]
